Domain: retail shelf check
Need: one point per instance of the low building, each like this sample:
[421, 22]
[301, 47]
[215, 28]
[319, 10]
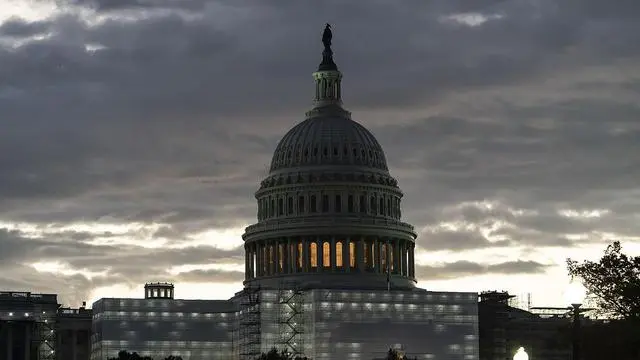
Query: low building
[503, 329]
[73, 333]
[27, 326]
[159, 326]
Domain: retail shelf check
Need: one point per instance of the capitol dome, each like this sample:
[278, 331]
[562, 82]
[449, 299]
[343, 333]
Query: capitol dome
[329, 211]
[328, 139]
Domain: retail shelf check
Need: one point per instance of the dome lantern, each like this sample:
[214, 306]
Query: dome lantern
[328, 77]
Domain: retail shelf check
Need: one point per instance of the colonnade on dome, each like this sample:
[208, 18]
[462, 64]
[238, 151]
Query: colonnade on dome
[329, 254]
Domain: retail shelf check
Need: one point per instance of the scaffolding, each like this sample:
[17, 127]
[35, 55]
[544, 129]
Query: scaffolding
[27, 326]
[291, 319]
[249, 332]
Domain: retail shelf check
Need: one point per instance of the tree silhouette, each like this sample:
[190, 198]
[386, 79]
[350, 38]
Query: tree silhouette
[614, 282]
[393, 354]
[274, 354]
[125, 355]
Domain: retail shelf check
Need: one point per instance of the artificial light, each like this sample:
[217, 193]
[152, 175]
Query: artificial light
[521, 354]
[575, 293]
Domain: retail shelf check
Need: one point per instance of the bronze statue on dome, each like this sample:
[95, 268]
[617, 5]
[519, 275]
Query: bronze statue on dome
[326, 36]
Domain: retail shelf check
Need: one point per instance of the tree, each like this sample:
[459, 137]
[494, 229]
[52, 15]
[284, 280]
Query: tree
[614, 282]
[274, 354]
[393, 354]
[125, 355]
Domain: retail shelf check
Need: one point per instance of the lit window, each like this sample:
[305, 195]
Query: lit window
[326, 254]
[300, 255]
[352, 254]
[313, 254]
[339, 254]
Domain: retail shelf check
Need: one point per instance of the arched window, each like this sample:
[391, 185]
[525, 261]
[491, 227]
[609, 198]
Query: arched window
[338, 204]
[280, 207]
[381, 208]
[339, 254]
[350, 203]
[326, 254]
[299, 255]
[373, 255]
[290, 205]
[325, 203]
[313, 254]
[352, 254]
[363, 204]
[300, 204]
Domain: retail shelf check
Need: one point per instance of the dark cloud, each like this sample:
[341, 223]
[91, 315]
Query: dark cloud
[211, 276]
[460, 269]
[168, 111]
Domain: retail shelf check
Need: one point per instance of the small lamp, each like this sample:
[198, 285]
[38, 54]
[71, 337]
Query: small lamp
[521, 354]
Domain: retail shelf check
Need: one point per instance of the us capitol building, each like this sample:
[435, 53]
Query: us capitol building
[330, 266]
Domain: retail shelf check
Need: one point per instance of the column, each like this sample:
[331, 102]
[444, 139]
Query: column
[389, 255]
[290, 254]
[261, 258]
[346, 254]
[276, 257]
[247, 255]
[319, 253]
[27, 341]
[411, 261]
[74, 342]
[305, 254]
[294, 255]
[396, 256]
[334, 254]
[378, 245]
[405, 259]
[360, 255]
[9, 341]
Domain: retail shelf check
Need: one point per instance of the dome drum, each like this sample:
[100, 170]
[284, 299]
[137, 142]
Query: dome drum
[326, 257]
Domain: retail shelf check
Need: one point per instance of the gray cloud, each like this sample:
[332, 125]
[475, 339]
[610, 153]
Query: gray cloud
[172, 118]
[460, 269]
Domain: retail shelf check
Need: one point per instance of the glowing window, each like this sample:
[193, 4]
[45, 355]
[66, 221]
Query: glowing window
[270, 255]
[313, 254]
[300, 255]
[339, 253]
[373, 255]
[326, 254]
[352, 254]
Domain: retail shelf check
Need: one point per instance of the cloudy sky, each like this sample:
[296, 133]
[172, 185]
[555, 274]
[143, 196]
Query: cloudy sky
[134, 133]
